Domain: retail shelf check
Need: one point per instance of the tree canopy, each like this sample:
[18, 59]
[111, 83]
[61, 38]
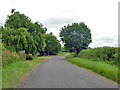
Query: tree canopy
[17, 20]
[20, 33]
[76, 36]
[53, 46]
[18, 39]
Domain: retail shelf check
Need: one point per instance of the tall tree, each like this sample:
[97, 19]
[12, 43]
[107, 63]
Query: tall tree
[53, 46]
[36, 30]
[76, 36]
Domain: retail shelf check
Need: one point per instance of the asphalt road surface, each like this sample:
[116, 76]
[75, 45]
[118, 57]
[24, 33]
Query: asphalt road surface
[56, 72]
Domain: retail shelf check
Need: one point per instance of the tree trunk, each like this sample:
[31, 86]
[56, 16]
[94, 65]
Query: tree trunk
[77, 51]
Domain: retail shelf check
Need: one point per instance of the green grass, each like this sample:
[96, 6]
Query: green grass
[107, 70]
[14, 73]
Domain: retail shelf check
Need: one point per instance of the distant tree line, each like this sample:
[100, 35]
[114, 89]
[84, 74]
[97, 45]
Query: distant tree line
[20, 33]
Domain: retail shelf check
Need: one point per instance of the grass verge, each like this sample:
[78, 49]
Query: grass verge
[107, 70]
[14, 73]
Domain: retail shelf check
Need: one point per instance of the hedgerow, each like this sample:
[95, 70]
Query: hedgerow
[107, 54]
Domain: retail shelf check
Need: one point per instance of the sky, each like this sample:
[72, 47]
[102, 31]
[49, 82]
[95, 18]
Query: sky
[101, 16]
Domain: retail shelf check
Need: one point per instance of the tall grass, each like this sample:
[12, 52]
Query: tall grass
[9, 57]
[107, 70]
[15, 68]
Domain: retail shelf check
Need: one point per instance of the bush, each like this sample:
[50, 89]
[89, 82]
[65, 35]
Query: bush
[29, 57]
[9, 57]
[107, 54]
[45, 54]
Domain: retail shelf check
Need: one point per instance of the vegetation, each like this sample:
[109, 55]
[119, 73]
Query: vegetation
[15, 67]
[14, 73]
[29, 57]
[40, 42]
[9, 57]
[106, 54]
[76, 36]
[18, 40]
[107, 70]
[20, 33]
[53, 46]
[102, 60]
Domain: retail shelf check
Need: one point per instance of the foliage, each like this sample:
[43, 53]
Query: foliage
[17, 20]
[32, 39]
[18, 39]
[108, 54]
[107, 70]
[1, 32]
[53, 46]
[29, 57]
[39, 42]
[35, 28]
[65, 49]
[9, 57]
[76, 36]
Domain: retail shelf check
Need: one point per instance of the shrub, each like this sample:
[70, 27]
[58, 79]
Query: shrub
[45, 54]
[29, 57]
[107, 54]
[9, 57]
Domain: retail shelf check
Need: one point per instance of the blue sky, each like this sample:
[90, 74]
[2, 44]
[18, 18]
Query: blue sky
[101, 16]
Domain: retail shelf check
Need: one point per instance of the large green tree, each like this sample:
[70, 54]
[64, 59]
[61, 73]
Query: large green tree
[53, 46]
[36, 30]
[76, 36]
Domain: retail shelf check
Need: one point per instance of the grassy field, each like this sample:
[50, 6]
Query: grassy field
[107, 70]
[14, 73]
